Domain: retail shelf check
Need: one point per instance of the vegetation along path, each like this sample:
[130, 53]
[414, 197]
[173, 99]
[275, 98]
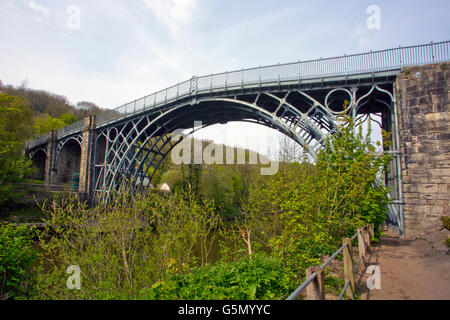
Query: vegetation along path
[412, 268]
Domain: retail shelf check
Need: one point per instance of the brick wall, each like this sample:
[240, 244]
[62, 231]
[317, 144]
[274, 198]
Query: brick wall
[424, 123]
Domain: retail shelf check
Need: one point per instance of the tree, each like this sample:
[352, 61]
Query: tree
[304, 211]
[40, 101]
[43, 125]
[348, 167]
[88, 108]
[15, 129]
[289, 150]
[16, 258]
[217, 185]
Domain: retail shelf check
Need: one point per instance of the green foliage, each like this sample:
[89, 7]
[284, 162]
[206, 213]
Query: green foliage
[159, 246]
[224, 185]
[41, 102]
[123, 247]
[333, 285]
[349, 166]
[219, 187]
[48, 111]
[16, 258]
[446, 242]
[15, 117]
[47, 103]
[259, 277]
[305, 210]
[446, 222]
[47, 123]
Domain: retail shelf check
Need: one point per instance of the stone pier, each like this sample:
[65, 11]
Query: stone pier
[87, 158]
[424, 126]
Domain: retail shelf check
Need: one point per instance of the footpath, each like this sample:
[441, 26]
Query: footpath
[415, 268]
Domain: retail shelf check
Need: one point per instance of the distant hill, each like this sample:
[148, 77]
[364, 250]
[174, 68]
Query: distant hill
[51, 111]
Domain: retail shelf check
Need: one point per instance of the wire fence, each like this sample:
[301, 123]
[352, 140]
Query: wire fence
[314, 283]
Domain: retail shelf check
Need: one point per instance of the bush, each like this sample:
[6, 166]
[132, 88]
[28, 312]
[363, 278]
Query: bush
[259, 277]
[158, 246]
[446, 222]
[16, 258]
[304, 211]
[123, 247]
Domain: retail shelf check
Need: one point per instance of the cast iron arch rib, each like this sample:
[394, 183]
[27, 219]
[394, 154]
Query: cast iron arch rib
[130, 150]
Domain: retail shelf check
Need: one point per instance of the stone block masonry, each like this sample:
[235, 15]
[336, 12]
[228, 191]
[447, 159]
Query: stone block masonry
[422, 94]
[87, 158]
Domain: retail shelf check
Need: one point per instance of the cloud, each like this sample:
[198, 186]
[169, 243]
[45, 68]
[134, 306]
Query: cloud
[367, 39]
[173, 13]
[38, 8]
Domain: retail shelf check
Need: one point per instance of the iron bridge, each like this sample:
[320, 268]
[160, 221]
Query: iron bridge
[301, 99]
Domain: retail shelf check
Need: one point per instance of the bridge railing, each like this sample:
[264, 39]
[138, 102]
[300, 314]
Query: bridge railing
[373, 61]
[344, 65]
[315, 279]
[37, 142]
[71, 128]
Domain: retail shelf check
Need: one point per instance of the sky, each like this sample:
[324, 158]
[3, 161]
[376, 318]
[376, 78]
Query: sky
[111, 52]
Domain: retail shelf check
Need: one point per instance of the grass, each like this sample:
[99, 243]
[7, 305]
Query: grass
[33, 181]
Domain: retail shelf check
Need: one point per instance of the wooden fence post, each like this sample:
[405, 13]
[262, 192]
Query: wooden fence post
[348, 267]
[361, 244]
[316, 289]
[367, 236]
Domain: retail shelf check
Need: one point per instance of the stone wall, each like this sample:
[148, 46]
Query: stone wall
[422, 94]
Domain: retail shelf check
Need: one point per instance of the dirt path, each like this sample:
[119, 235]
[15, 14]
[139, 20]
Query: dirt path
[417, 268]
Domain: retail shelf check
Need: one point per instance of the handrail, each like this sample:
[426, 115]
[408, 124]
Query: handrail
[372, 61]
[303, 286]
[38, 141]
[341, 295]
[313, 276]
[348, 64]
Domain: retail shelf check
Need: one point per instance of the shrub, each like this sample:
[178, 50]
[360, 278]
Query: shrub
[16, 258]
[122, 247]
[446, 222]
[304, 211]
[259, 277]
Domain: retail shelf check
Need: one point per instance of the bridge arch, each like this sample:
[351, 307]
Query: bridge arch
[39, 159]
[142, 143]
[360, 84]
[68, 159]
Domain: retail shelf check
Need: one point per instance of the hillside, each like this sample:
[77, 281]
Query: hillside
[50, 111]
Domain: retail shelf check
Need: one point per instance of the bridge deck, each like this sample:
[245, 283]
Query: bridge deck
[357, 67]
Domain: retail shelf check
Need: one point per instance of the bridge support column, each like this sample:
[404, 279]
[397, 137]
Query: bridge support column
[50, 170]
[424, 126]
[87, 158]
